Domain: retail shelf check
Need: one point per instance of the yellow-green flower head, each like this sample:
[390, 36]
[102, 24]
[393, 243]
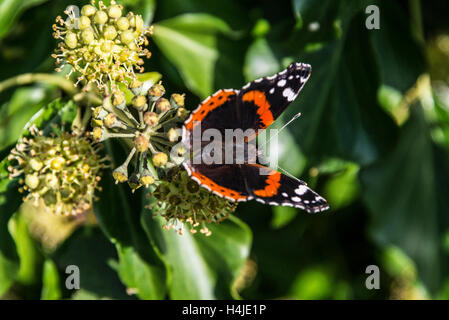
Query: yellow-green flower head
[182, 202]
[60, 173]
[103, 45]
[150, 121]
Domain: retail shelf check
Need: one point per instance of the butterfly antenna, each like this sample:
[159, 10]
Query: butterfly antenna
[289, 174]
[296, 116]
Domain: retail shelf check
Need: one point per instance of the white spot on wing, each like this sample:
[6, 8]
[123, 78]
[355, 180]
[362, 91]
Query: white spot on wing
[301, 190]
[282, 82]
[289, 94]
[272, 90]
[296, 199]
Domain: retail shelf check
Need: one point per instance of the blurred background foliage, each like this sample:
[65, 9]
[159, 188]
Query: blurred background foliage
[373, 139]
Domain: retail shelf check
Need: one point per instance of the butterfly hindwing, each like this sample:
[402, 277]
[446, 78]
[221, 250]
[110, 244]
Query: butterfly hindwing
[224, 180]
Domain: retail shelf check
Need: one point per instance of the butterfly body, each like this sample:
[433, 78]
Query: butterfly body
[233, 118]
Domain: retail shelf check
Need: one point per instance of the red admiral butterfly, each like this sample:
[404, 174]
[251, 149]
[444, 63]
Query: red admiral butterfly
[256, 106]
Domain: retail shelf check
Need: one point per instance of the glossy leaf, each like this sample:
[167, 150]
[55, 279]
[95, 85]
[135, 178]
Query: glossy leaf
[10, 10]
[189, 41]
[201, 267]
[92, 253]
[139, 266]
[51, 289]
[401, 191]
[9, 204]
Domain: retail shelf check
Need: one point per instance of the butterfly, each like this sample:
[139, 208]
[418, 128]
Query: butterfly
[255, 107]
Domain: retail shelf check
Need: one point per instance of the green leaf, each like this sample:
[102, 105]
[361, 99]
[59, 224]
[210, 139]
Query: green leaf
[92, 253]
[10, 10]
[51, 286]
[144, 7]
[343, 188]
[139, 267]
[31, 258]
[402, 192]
[142, 278]
[340, 113]
[10, 200]
[260, 60]
[15, 114]
[399, 57]
[189, 41]
[202, 267]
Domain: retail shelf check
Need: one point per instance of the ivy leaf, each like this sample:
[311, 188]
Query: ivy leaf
[189, 41]
[401, 191]
[10, 10]
[15, 114]
[139, 266]
[51, 286]
[201, 267]
[10, 200]
[92, 253]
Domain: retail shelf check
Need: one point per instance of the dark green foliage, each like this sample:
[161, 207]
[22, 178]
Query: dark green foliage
[383, 165]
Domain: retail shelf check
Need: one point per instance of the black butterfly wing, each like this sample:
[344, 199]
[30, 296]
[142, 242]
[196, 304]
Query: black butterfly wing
[262, 101]
[271, 187]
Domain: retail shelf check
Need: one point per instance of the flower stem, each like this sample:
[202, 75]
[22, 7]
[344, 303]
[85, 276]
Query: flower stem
[28, 78]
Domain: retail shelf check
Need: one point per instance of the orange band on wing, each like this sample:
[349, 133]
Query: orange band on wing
[263, 106]
[273, 184]
[207, 106]
[225, 192]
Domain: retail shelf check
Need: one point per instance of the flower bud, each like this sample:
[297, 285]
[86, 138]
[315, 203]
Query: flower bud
[87, 36]
[135, 84]
[139, 24]
[32, 181]
[182, 114]
[150, 118]
[160, 159]
[192, 186]
[71, 40]
[118, 98]
[141, 143]
[101, 17]
[146, 178]
[83, 22]
[122, 23]
[57, 163]
[172, 135]
[35, 164]
[127, 36]
[97, 134]
[106, 46]
[162, 105]
[52, 182]
[88, 10]
[110, 120]
[120, 174]
[115, 11]
[110, 33]
[177, 100]
[139, 102]
[156, 91]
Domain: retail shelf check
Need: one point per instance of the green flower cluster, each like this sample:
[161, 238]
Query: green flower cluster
[182, 202]
[149, 123]
[102, 45]
[60, 173]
